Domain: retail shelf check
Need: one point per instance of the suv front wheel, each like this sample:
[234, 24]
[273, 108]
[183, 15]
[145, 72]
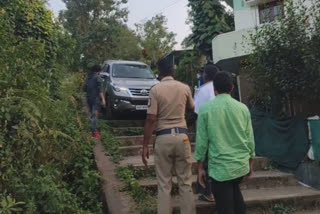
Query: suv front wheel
[110, 114]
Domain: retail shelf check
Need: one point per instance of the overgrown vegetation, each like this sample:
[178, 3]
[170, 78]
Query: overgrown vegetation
[188, 67]
[282, 209]
[99, 30]
[144, 199]
[129, 175]
[110, 142]
[284, 66]
[137, 173]
[209, 18]
[128, 131]
[155, 39]
[46, 155]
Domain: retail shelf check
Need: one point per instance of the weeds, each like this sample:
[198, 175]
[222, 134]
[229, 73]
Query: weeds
[143, 197]
[271, 165]
[127, 131]
[110, 142]
[282, 209]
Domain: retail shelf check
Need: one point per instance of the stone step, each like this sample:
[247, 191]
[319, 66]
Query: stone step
[137, 150]
[138, 139]
[127, 131]
[260, 201]
[307, 211]
[259, 180]
[259, 163]
[125, 123]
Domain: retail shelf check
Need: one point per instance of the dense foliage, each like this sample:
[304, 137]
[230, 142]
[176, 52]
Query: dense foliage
[155, 39]
[285, 67]
[208, 18]
[188, 67]
[46, 156]
[99, 30]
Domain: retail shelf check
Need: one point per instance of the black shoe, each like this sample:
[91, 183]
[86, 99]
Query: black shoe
[205, 198]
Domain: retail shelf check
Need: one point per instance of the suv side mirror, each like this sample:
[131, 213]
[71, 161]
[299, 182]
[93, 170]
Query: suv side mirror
[105, 75]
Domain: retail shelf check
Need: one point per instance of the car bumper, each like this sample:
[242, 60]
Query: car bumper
[125, 104]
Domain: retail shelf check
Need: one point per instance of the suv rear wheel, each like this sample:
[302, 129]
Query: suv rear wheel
[110, 114]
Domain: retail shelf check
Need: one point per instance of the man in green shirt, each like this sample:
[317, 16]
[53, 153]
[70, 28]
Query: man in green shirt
[224, 130]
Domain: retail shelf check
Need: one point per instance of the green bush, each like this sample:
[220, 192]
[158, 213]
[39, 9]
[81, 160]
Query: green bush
[47, 164]
[284, 66]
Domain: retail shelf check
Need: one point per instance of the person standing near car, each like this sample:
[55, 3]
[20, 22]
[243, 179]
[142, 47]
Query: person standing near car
[168, 101]
[203, 96]
[95, 97]
[206, 91]
[224, 130]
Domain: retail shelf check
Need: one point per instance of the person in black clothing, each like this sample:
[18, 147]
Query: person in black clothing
[95, 97]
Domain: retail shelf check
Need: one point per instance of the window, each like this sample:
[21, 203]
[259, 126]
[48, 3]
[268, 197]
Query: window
[132, 71]
[270, 12]
[106, 68]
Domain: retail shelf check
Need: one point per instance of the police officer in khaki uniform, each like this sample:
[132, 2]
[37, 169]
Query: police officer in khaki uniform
[168, 101]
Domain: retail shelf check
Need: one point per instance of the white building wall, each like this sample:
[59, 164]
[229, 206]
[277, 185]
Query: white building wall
[248, 16]
[234, 44]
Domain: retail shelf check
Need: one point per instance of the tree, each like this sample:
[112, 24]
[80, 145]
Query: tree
[284, 66]
[188, 67]
[155, 39]
[127, 44]
[98, 27]
[209, 19]
[229, 2]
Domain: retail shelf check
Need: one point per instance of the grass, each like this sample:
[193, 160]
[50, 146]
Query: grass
[110, 142]
[144, 198]
[134, 131]
[281, 208]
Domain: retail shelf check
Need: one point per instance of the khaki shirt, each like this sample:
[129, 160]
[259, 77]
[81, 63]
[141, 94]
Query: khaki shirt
[168, 100]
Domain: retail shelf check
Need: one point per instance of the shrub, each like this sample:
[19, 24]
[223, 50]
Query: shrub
[47, 163]
[284, 66]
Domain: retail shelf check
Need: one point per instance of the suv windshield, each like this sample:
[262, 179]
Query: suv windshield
[132, 71]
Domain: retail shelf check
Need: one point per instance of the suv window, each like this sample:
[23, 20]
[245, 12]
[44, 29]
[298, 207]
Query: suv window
[106, 69]
[132, 71]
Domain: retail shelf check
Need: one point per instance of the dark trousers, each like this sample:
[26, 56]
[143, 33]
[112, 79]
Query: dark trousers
[94, 106]
[228, 196]
[208, 189]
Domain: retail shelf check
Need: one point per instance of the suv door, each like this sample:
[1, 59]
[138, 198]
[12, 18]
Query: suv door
[105, 75]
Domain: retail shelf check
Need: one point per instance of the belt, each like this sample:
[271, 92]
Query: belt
[169, 131]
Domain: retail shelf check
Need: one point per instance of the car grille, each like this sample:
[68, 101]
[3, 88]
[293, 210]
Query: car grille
[139, 92]
[139, 102]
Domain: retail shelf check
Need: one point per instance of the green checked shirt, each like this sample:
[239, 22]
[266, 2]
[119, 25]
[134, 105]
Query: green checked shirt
[224, 130]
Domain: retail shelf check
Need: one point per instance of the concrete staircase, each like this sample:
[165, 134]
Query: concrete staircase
[268, 191]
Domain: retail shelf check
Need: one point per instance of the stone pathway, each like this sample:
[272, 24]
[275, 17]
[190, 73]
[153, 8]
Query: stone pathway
[268, 192]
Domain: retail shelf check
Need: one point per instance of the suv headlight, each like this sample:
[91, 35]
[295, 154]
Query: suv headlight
[120, 89]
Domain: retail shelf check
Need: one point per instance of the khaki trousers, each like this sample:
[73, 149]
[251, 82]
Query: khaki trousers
[173, 154]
